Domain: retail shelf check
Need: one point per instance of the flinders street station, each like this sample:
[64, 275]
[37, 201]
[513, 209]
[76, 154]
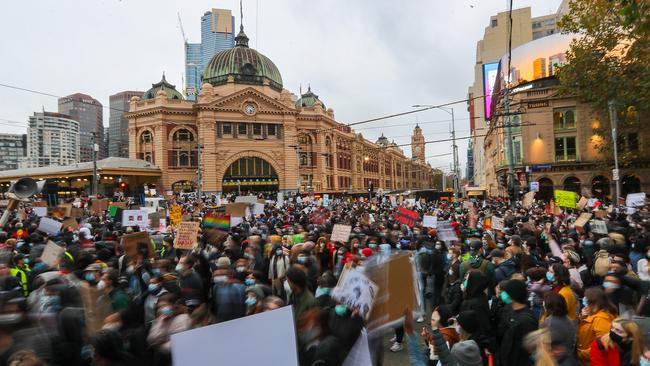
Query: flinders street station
[246, 133]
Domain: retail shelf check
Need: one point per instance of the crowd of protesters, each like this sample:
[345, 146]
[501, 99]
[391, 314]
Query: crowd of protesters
[538, 291]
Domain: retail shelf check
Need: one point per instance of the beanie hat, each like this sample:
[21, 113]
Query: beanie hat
[223, 263]
[367, 252]
[468, 320]
[517, 290]
[467, 353]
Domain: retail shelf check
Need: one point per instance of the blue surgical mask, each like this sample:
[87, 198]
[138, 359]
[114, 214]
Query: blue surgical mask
[153, 287]
[550, 276]
[608, 284]
[302, 260]
[644, 361]
[320, 291]
[278, 252]
[179, 268]
[372, 246]
[250, 301]
[167, 311]
[50, 304]
[249, 281]
[89, 277]
[505, 297]
[26, 260]
[585, 302]
[340, 310]
[449, 256]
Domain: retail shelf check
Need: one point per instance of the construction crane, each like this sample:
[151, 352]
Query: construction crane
[180, 22]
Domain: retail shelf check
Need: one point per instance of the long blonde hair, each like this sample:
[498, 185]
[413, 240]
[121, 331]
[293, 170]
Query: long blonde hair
[632, 329]
[539, 342]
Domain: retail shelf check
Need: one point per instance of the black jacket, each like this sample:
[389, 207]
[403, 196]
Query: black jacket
[476, 299]
[517, 324]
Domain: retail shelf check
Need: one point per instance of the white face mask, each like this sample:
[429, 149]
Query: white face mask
[101, 285]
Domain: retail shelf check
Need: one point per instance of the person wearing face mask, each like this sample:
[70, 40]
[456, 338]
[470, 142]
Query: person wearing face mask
[518, 322]
[228, 298]
[623, 345]
[558, 276]
[254, 300]
[108, 286]
[278, 266]
[155, 290]
[595, 320]
[169, 321]
[503, 268]
[476, 262]
[643, 267]
[301, 298]
[323, 294]
[307, 261]
[190, 282]
[453, 292]
[316, 343]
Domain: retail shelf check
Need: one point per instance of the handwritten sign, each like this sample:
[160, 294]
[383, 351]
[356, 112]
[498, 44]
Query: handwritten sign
[186, 235]
[498, 223]
[582, 203]
[341, 233]
[635, 199]
[52, 254]
[528, 199]
[40, 211]
[430, 221]
[49, 226]
[130, 242]
[355, 290]
[582, 221]
[566, 199]
[599, 227]
[406, 217]
[446, 232]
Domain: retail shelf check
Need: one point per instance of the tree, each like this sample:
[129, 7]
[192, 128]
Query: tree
[610, 60]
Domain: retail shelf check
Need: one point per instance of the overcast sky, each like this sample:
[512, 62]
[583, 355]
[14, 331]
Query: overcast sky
[364, 58]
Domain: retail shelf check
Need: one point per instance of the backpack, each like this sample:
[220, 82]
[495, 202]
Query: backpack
[601, 263]
[481, 268]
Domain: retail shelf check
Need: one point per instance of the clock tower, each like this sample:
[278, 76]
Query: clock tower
[417, 144]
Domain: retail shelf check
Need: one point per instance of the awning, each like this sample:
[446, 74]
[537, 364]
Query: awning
[475, 193]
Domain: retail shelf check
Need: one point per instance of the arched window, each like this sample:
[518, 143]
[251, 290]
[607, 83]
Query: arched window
[183, 135]
[183, 152]
[145, 148]
[572, 184]
[545, 189]
[630, 184]
[600, 187]
[146, 137]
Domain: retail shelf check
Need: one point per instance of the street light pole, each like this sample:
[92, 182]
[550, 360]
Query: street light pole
[94, 180]
[199, 185]
[613, 118]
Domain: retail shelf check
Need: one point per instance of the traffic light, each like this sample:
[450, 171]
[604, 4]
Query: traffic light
[503, 180]
[123, 185]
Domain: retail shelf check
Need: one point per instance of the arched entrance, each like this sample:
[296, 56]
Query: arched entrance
[630, 184]
[545, 189]
[183, 186]
[250, 174]
[600, 187]
[572, 184]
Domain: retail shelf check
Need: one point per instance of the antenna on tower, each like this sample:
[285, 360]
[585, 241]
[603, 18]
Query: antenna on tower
[241, 14]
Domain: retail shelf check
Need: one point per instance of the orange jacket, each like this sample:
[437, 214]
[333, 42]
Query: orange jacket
[590, 328]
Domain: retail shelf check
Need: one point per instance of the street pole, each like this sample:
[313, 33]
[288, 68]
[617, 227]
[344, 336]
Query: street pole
[196, 83]
[94, 180]
[455, 152]
[506, 108]
[199, 173]
[613, 118]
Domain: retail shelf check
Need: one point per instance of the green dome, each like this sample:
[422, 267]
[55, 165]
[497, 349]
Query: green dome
[245, 64]
[308, 100]
[170, 89]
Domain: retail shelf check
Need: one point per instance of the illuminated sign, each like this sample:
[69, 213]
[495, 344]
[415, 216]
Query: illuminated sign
[490, 72]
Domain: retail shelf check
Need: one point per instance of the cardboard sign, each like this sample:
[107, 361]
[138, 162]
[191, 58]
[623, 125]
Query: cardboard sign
[582, 203]
[77, 213]
[582, 221]
[154, 220]
[406, 217]
[635, 199]
[49, 226]
[600, 214]
[52, 254]
[119, 204]
[175, 215]
[215, 236]
[355, 290]
[139, 218]
[341, 233]
[566, 199]
[70, 222]
[528, 200]
[186, 235]
[430, 221]
[130, 244]
[237, 209]
[67, 209]
[274, 339]
[40, 211]
[598, 227]
[99, 205]
[246, 199]
[498, 223]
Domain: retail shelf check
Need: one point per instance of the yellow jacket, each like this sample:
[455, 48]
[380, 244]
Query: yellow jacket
[591, 327]
[571, 303]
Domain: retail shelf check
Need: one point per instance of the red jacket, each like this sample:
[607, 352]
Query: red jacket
[601, 356]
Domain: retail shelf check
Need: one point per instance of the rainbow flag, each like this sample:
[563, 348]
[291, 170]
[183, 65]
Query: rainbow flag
[216, 221]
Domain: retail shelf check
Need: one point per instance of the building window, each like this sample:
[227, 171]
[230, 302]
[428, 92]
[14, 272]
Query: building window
[517, 150]
[271, 130]
[227, 128]
[537, 25]
[242, 129]
[257, 129]
[494, 23]
[146, 137]
[628, 142]
[565, 149]
[564, 119]
[183, 135]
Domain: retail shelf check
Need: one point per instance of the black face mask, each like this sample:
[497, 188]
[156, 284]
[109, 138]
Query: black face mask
[617, 338]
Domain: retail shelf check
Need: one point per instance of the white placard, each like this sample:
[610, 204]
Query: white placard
[356, 291]
[635, 199]
[359, 355]
[393, 201]
[410, 202]
[591, 202]
[139, 218]
[258, 208]
[274, 339]
[40, 211]
[341, 233]
[52, 254]
[246, 199]
[234, 221]
[49, 226]
[497, 223]
[598, 227]
[280, 200]
[445, 231]
[430, 221]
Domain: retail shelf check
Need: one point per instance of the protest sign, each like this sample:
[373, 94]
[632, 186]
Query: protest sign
[130, 243]
[468, 204]
[430, 221]
[246, 199]
[154, 220]
[119, 204]
[40, 211]
[236, 209]
[56, 212]
[326, 200]
[487, 223]
[70, 222]
[528, 199]
[139, 218]
[355, 290]
[600, 214]
[175, 215]
[67, 209]
[359, 355]
[445, 231]
[582, 221]
[592, 202]
[280, 200]
[215, 221]
[186, 235]
[566, 199]
[406, 217]
[52, 254]
[112, 211]
[235, 220]
[258, 208]
[319, 216]
[274, 339]
[77, 213]
[94, 311]
[99, 205]
[393, 201]
[599, 227]
[215, 236]
[582, 203]
[49, 226]
[498, 223]
[341, 233]
[635, 199]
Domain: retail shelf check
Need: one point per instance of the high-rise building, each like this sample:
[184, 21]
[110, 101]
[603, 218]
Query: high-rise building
[89, 112]
[118, 125]
[489, 50]
[217, 34]
[555, 61]
[107, 140]
[417, 144]
[52, 139]
[539, 68]
[13, 148]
